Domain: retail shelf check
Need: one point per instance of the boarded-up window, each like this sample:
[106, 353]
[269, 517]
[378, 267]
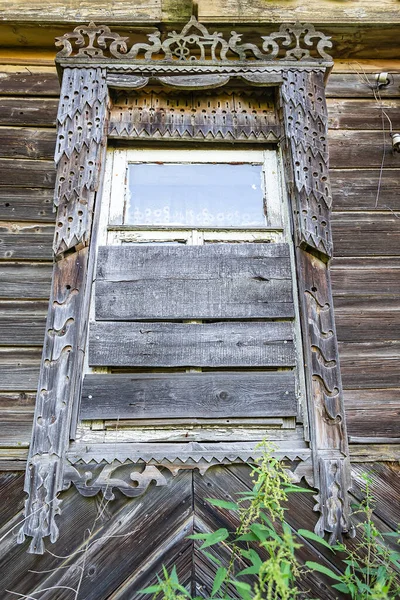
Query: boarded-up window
[193, 335]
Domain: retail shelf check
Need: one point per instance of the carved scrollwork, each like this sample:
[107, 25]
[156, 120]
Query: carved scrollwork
[195, 43]
[131, 480]
[306, 128]
[90, 40]
[80, 137]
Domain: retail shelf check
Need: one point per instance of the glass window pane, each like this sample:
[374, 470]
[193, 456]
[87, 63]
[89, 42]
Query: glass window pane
[208, 195]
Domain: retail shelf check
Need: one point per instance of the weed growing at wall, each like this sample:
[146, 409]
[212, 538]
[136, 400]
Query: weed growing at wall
[268, 547]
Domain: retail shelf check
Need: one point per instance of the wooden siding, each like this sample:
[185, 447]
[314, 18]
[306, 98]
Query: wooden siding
[28, 99]
[166, 518]
[217, 281]
[366, 267]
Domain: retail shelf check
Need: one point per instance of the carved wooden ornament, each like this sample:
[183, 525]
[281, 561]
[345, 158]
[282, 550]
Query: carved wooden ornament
[94, 60]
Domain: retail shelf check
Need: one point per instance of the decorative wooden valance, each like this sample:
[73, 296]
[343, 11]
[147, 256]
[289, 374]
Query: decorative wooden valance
[106, 79]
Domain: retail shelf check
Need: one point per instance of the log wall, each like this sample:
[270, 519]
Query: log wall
[366, 232]
[366, 280]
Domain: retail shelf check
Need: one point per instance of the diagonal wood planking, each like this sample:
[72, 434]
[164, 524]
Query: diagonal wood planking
[155, 529]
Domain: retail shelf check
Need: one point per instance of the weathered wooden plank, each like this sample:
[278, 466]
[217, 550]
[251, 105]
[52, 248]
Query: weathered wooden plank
[362, 114]
[15, 431]
[26, 204]
[26, 112]
[358, 190]
[263, 344]
[196, 395]
[359, 325]
[216, 281]
[360, 149]
[29, 81]
[27, 172]
[25, 280]
[22, 323]
[27, 143]
[19, 369]
[363, 234]
[356, 280]
[370, 365]
[26, 242]
[359, 85]
[380, 422]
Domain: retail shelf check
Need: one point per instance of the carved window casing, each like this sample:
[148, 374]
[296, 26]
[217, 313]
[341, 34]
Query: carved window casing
[188, 86]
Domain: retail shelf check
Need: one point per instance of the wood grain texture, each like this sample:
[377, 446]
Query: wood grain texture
[216, 281]
[26, 204]
[25, 280]
[27, 143]
[362, 114]
[28, 172]
[363, 234]
[22, 323]
[354, 85]
[358, 149]
[29, 80]
[27, 112]
[179, 396]
[356, 189]
[19, 369]
[263, 344]
[26, 242]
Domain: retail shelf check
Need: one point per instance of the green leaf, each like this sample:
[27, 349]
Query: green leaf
[153, 589]
[296, 488]
[249, 571]
[198, 536]
[341, 587]
[317, 567]
[223, 504]
[214, 559]
[218, 536]
[244, 590]
[174, 575]
[310, 535]
[218, 580]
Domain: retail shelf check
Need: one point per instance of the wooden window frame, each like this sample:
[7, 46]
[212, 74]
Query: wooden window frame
[93, 63]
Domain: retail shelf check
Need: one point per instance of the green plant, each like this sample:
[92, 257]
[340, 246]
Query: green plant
[371, 567]
[266, 543]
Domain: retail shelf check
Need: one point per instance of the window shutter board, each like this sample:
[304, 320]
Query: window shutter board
[189, 396]
[240, 281]
[144, 344]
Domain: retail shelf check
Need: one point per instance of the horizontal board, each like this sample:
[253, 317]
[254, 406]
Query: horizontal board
[252, 344]
[29, 81]
[362, 114]
[370, 365]
[195, 395]
[27, 143]
[29, 242]
[358, 190]
[22, 323]
[360, 149]
[216, 281]
[25, 280]
[352, 85]
[26, 112]
[26, 204]
[27, 172]
[366, 282]
[19, 369]
[363, 234]
[367, 326]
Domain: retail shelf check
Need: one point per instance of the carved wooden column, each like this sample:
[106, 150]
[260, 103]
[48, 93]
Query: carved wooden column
[79, 152]
[307, 172]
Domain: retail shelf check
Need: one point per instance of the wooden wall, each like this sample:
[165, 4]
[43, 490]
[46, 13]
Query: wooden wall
[366, 230]
[366, 286]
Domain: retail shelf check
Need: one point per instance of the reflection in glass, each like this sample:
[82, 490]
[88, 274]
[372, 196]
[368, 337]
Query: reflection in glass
[199, 195]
